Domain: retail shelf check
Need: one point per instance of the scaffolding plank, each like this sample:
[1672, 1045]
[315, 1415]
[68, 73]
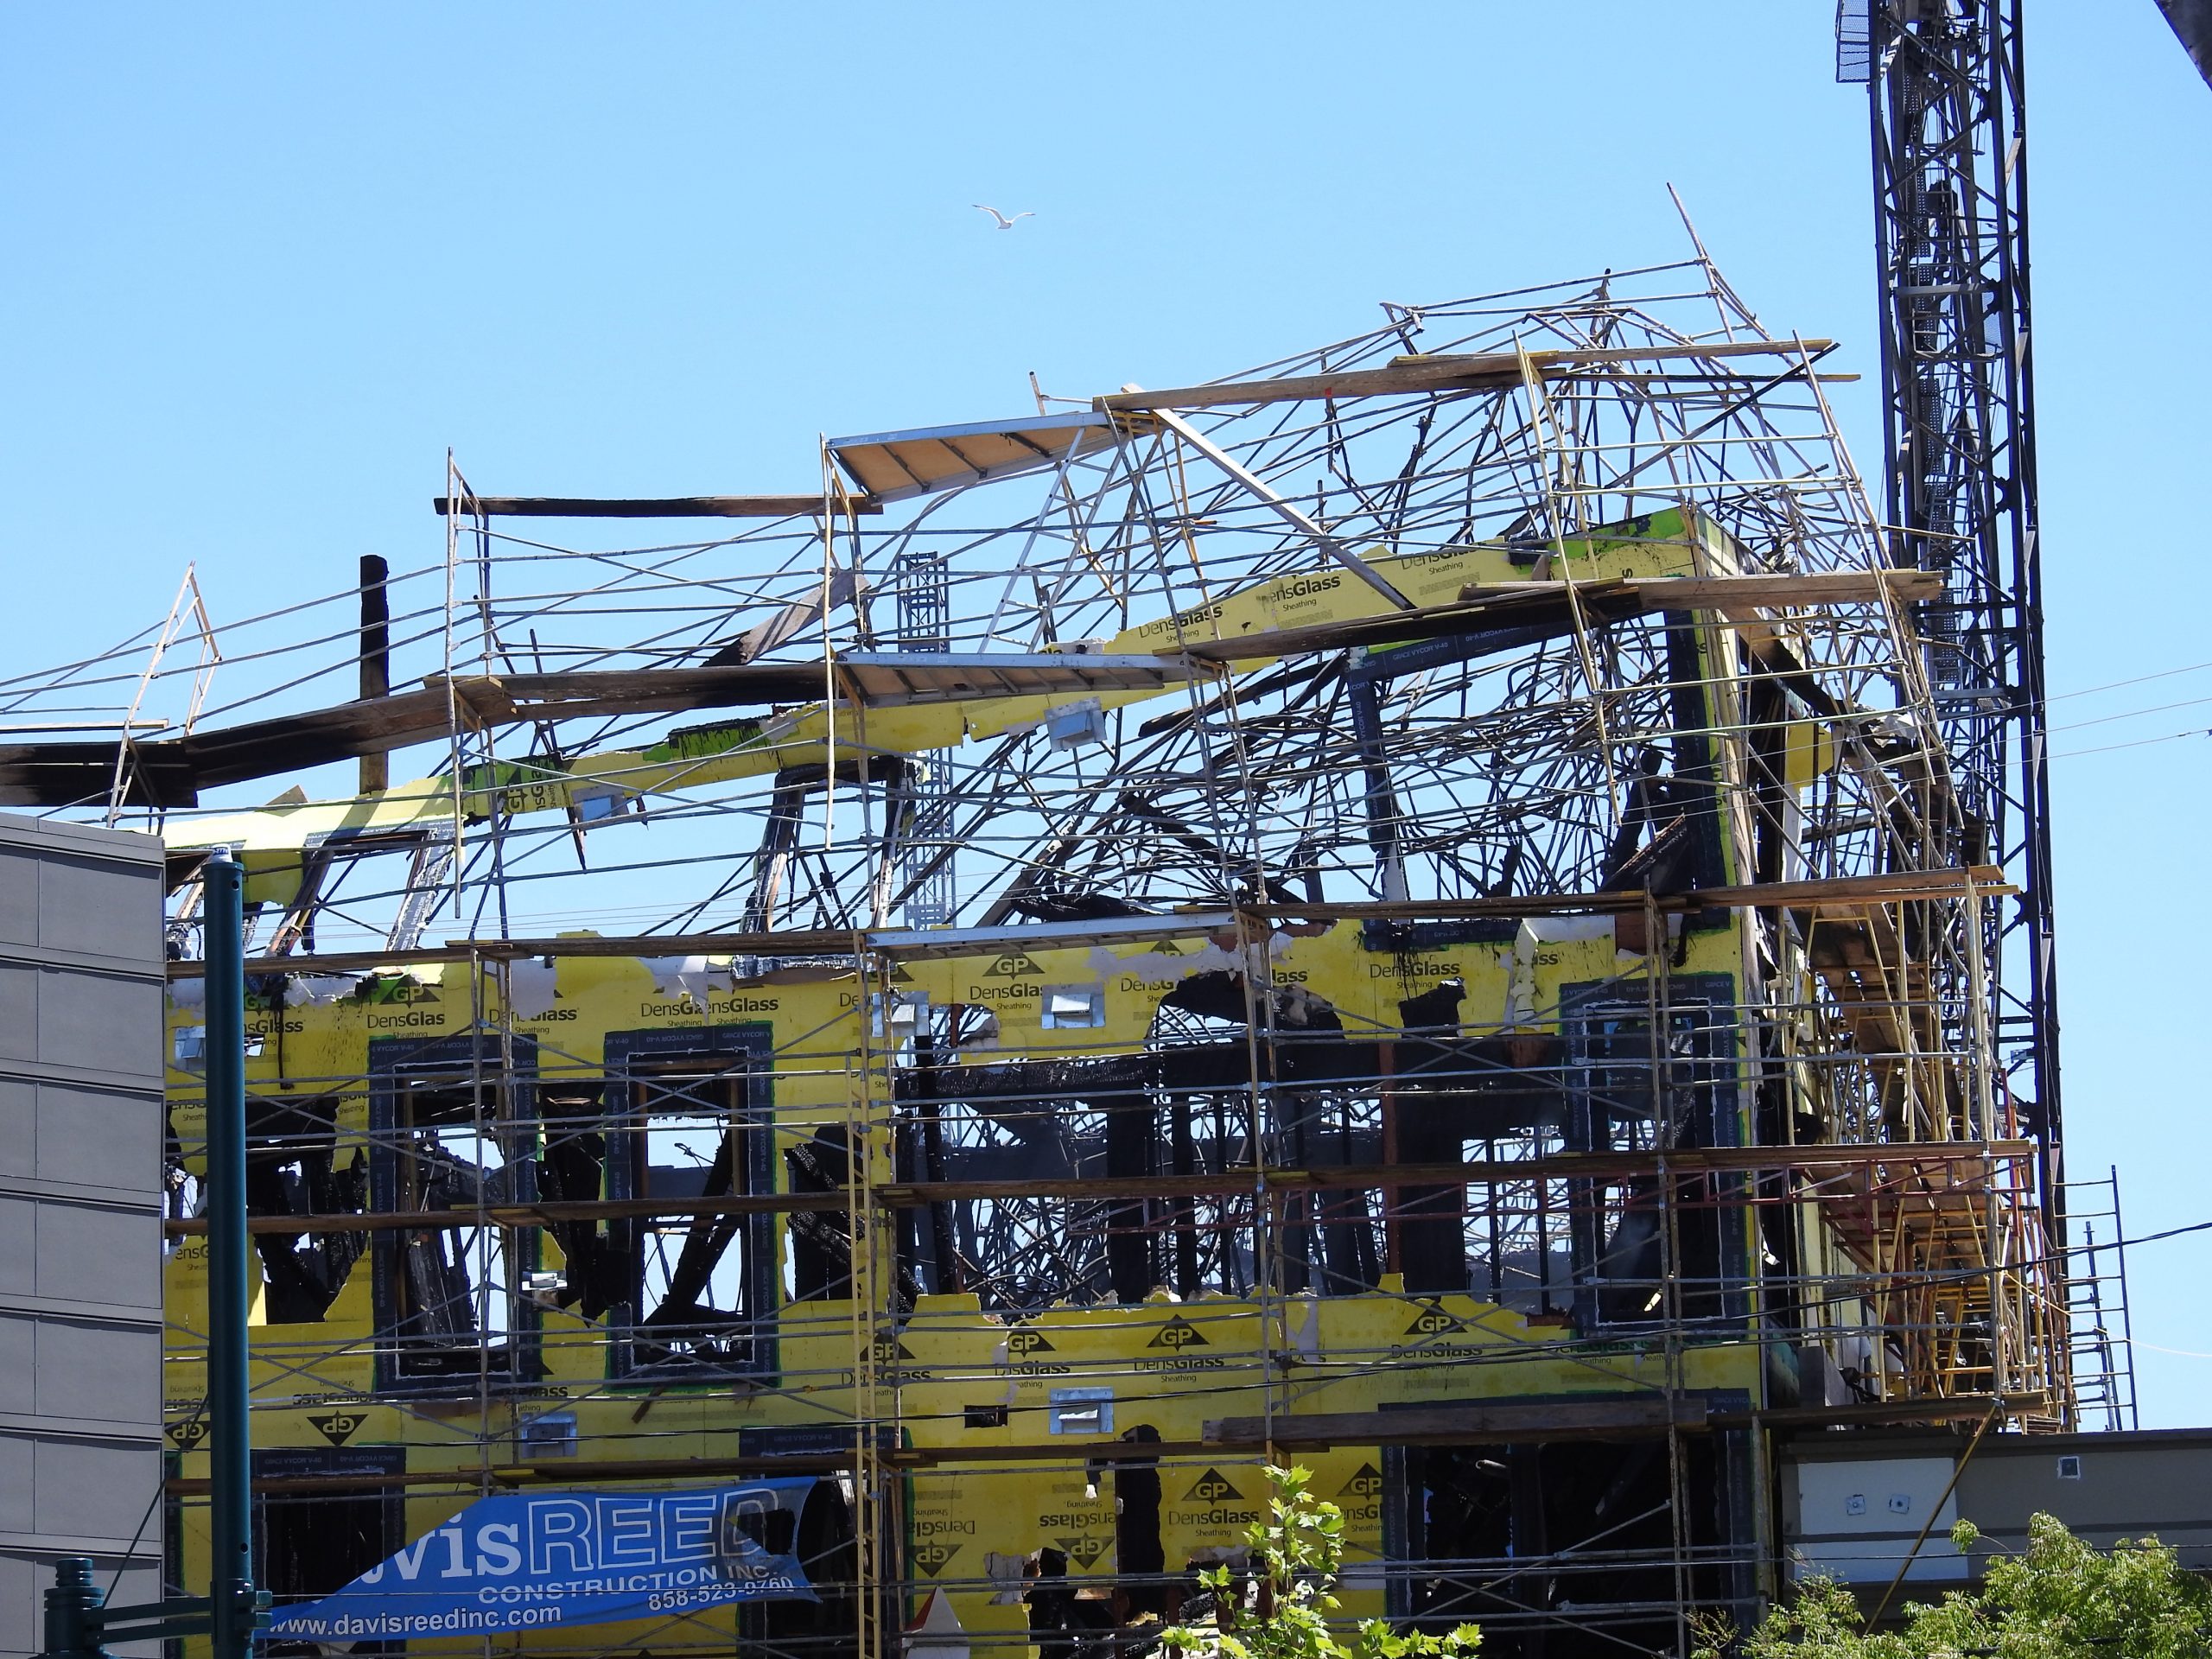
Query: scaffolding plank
[921, 461]
[1896, 1163]
[1518, 1423]
[669, 506]
[1415, 374]
[886, 679]
[1066, 1452]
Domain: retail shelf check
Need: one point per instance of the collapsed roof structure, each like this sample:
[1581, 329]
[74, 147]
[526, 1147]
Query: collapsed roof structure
[1406, 908]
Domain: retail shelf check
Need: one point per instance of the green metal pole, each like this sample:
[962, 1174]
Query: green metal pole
[230, 1580]
[69, 1604]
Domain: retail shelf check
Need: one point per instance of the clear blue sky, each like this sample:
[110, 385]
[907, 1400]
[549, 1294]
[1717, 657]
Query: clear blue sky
[264, 263]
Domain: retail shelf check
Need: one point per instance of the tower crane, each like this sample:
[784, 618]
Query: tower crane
[1947, 123]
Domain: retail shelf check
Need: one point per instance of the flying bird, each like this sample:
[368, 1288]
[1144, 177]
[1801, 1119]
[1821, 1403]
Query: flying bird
[1005, 224]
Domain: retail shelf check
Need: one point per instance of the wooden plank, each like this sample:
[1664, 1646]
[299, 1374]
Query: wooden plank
[561, 1470]
[670, 506]
[1634, 1416]
[1395, 382]
[1562, 1166]
[1879, 1412]
[1405, 375]
[1596, 355]
[1897, 886]
[1070, 1452]
[1896, 1161]
[546, 1214]
[795, 943]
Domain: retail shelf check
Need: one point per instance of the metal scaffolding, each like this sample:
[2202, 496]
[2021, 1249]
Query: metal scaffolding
[1412, 909]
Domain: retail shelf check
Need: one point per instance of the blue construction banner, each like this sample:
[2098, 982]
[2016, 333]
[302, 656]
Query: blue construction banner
[542, 1560]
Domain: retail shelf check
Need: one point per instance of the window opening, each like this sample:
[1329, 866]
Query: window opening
[311, 1544]
[456, 1286]
[294, 1166]
[450, 1296]
[1629, 1093]
[822, 1536]
[1558, 1549]
[572, 1169]
[1140, 1555]
[694, 1132]
[821, 1264]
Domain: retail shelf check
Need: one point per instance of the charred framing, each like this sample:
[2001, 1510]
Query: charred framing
[1410, 908]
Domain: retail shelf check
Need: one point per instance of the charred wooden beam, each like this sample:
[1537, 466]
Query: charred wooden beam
[376, 659]
[1515, 1424]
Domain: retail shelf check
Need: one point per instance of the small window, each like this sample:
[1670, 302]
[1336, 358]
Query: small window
[549, 1434]
[2070, 1468]
[1072, 725]
[897, 1015]
[1083, 1411]
[984, 1416]
[1067, 1006]
[188, 1048]
[596, 803]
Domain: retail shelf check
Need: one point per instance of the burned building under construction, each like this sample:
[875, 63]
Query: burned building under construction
[1413, 910]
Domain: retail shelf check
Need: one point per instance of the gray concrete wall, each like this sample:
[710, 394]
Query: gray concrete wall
[80, 1206]
[2105, 1487]
[1853, 1505]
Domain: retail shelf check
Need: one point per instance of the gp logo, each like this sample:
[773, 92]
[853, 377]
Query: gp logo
[1178, 1334]
[933, 1559]
[338, 1427]
[1021, 1342]
[1214, 1487]
[1083, 1552]
[1366, 1482]
[1433, 1321]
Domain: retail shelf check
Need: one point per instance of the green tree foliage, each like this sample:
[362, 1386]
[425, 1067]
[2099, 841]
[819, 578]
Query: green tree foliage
[1278, 1606]
[2061, 1598]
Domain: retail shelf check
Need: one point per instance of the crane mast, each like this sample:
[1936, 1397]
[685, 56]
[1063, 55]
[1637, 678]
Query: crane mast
[1947, 113]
